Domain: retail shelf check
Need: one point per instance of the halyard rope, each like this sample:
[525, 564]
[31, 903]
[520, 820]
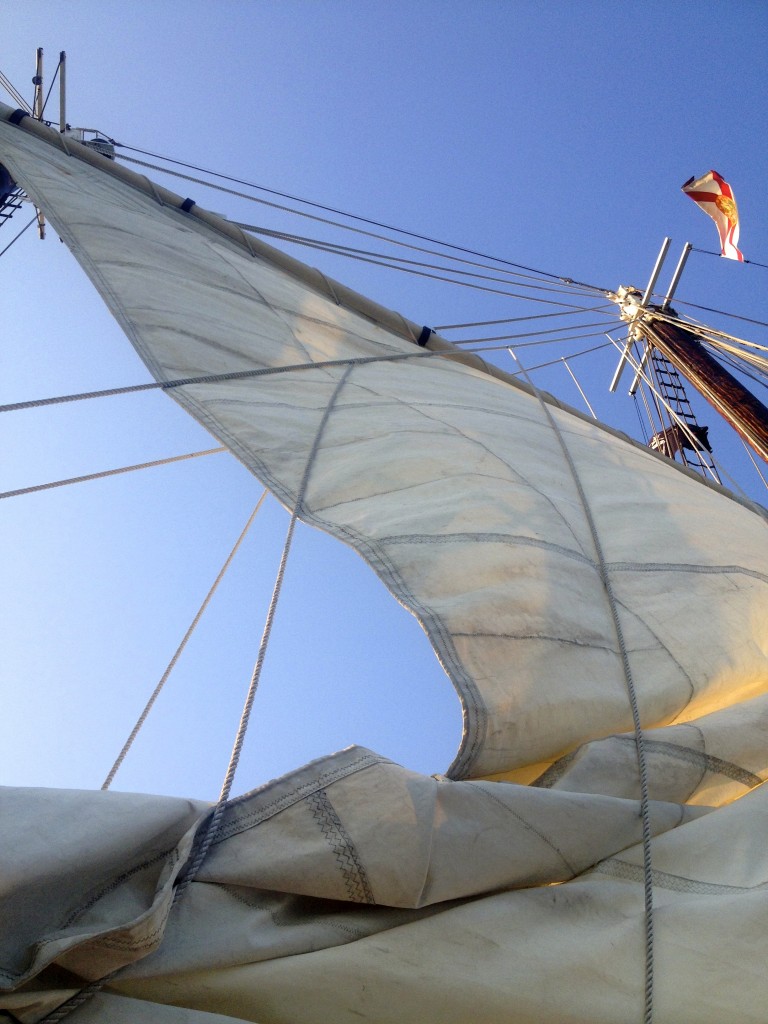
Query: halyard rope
[107, 472]
[172, 663]
[639, 741]
[211, 830]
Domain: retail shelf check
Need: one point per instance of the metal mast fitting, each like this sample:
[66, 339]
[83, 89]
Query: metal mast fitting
[681, 347]
[641, 305]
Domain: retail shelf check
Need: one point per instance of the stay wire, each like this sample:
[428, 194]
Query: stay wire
[107, 472]
[335, 248]
[14, 93]
[348, 227]
[211, 831]
[529, 334]
[25, 228]
[519, 319]
[709, 252]
[645, 812]
[461, 284]
[180, 649]
[343, 227]
[264, 371]
[360, 219]
[721, 312]
[50, 87]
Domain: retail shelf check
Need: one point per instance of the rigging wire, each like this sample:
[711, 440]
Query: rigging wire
[758, 364]
[14, 93]
[336, 249]
[658, 398]
[347, 227]
[214, 378]
[518, 319]
[50, 87]
[554, 362]
[213, 826]
[580, 389]
[529, 334]
[107, 472]
[697, 326]
[503, 346]
[18, 236]
[721, 312]
[759, 472]
[342, 213]
[462, 284]
[179, 650]
[709, 252]
[736, 365]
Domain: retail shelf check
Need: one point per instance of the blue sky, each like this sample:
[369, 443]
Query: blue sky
[556, 135]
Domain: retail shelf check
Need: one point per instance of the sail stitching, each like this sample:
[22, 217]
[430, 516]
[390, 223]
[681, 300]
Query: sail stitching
[243, 822]
[179, 650]
[347, 857]
[665, 880]
[708, 762]
[686, 567]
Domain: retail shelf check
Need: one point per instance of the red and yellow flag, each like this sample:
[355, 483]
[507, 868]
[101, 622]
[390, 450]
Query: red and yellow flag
[715, 197]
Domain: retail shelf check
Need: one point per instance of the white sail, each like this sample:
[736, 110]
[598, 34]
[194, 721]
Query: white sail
[562, 574]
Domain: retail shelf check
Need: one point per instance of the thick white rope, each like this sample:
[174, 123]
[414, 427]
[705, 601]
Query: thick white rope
[177, 654]
[645, 814]
[210, 834]
[107, 472]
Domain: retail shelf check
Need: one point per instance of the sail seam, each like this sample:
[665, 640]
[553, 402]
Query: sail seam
[687, 567]
[347, 857]
[665, 880]
[242, 823]
[708, 762]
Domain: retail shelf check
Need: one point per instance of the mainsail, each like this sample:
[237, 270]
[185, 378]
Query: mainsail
[584, 596]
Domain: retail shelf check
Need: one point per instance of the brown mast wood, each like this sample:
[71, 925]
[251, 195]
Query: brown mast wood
[746, 414]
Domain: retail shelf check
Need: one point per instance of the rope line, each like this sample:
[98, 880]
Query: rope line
[210, 378]
[107, 472]
[519, 319]
[213, 826]
[5, 250]
[214, 378]
[14, 93]
[632, 695]
[179, 650]
[380, 259]
[50, 88]
[709, 252]
[721, 312]
[330, 209]
[531, 334]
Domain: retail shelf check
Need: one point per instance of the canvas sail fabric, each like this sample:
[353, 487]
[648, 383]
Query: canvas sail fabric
[309, 908]
[479, 504]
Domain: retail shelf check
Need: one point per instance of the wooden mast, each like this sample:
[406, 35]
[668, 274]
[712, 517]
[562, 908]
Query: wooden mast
[746, 414]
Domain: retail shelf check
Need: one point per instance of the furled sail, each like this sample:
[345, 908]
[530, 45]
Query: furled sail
[573, 585]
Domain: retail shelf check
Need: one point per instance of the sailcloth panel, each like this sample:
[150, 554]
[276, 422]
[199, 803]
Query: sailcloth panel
[454, 486]
[353, 890]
